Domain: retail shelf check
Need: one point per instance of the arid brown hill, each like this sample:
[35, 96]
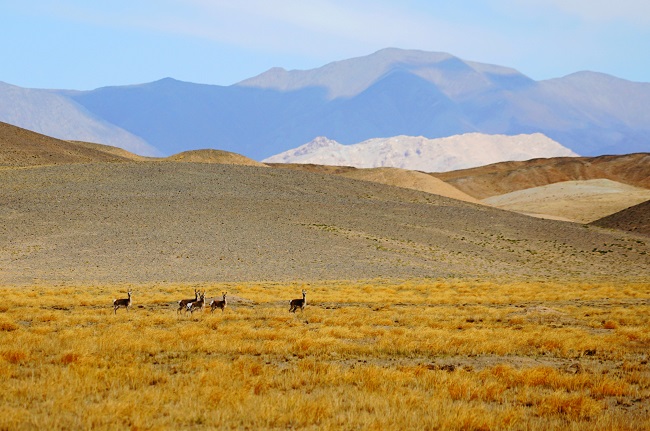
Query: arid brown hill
[20, 147]
[579, 201]
[411, 180]
[310, 167]
[634, 219]
[390, 176]
[506, 177]
[114, 150]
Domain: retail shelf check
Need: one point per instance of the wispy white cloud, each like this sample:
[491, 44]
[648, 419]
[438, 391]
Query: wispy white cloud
[633, 12]
[323, 27]
[542, 38]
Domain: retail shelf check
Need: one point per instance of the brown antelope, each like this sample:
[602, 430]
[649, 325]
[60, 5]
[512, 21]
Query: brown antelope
[219, 304]
[123, 302]
[298, 303]
[196, 305]
[182, 304]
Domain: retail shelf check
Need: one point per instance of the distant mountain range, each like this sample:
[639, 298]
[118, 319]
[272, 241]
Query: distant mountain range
[389, 93]
[56, 115]
[428, 155]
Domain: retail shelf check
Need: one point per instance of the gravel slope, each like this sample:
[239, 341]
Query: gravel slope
[164, 221]
[634, 219]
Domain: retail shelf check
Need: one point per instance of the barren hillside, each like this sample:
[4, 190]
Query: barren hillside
[410, 180]
[162, 221]
[389, 176]
[74, 218]
[20, 147]
[114, 150]
[502, 178]
[634, 219]
[213, 156]
[579, 201]
[309, 167]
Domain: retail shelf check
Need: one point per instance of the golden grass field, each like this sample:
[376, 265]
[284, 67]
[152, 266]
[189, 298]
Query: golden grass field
[420, 354]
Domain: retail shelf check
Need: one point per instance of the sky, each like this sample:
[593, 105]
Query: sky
[83, 45]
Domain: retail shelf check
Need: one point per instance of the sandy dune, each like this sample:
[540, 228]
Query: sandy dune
[579, 201]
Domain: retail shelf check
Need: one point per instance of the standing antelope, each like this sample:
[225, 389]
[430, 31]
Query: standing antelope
[123, 302]
[219, 304]
[197, 305]
[182, 304]
[298, 303]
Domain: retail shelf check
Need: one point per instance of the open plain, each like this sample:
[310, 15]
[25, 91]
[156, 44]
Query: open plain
[423, 312]
[379, 354]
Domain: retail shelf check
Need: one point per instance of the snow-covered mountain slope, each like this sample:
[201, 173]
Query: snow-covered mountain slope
[427, 155]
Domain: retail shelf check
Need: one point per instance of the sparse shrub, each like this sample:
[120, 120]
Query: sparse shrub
[610, 324]
[14, 356]
[606, 386]
[572, 405]
[7, 325]
[69, 358]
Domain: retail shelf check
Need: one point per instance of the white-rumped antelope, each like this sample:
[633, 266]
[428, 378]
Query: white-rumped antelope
[123, 302]
[182, 304]
[219, 304]
[294, 304]
[197, 305]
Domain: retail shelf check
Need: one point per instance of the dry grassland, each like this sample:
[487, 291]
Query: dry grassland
[455, 355]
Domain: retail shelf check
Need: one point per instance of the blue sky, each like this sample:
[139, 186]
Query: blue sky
[81, 44]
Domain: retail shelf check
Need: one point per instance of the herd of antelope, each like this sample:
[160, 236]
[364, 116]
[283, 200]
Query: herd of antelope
[198, 303]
